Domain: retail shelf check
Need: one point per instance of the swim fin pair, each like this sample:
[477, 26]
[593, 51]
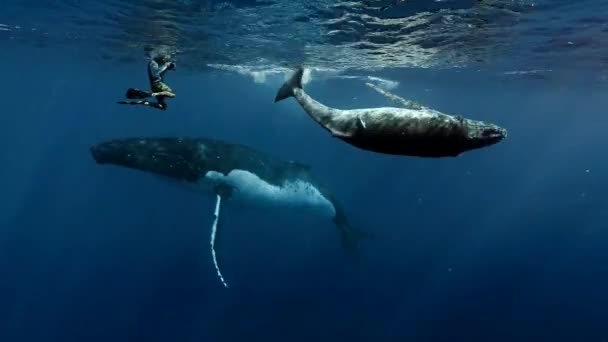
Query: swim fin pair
[133, 93]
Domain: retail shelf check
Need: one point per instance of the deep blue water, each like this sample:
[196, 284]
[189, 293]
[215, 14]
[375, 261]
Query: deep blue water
[506, 243]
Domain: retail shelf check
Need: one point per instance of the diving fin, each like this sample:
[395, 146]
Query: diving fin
[133, 93]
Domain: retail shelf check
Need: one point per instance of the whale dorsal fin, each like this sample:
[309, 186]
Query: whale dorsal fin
[220, 194]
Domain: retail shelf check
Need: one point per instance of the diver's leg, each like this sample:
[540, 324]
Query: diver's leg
[164, 94]
[161, 103]
[159, 88]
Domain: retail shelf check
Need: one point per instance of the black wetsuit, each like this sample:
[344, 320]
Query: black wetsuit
[155, 75]
[156, 72]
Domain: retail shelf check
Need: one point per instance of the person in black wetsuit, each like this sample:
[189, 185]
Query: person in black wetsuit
[157, 67]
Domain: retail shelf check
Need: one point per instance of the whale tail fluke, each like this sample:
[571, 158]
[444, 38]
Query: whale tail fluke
[294, 82]
[350, 236]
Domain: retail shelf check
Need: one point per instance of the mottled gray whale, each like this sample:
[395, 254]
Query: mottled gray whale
[230, 173]
[421, 132]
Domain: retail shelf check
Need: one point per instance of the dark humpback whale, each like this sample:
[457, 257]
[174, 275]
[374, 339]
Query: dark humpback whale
[230, 173]
[420, 132]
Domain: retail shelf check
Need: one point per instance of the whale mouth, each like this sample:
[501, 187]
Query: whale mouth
[114, 152]
[111, 152]
[494, 133]
[481, 134]
[99, 153]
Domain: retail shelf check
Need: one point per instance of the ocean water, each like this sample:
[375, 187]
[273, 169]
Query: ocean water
[505, 243]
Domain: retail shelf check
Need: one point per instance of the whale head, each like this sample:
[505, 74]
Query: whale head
[176, 158]
[481, 134]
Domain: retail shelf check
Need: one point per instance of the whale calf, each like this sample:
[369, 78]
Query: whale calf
[230, 173]
[419, 132]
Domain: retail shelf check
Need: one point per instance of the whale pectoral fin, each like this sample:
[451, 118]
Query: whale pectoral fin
[339, 134]
[398, 100]
[214, 230]
[360, 124]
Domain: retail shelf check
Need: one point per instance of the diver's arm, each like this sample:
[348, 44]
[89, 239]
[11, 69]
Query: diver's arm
[154, 70]
[166, 66]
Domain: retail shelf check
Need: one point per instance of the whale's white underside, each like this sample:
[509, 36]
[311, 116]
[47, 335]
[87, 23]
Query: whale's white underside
[250, 190]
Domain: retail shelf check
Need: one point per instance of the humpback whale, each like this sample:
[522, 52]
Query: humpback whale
[411, 131]
[230, 173]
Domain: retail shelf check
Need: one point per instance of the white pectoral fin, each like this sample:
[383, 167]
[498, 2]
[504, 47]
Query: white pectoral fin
[337, 134]
[340, 133]
[216, 219]
[359, 127]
